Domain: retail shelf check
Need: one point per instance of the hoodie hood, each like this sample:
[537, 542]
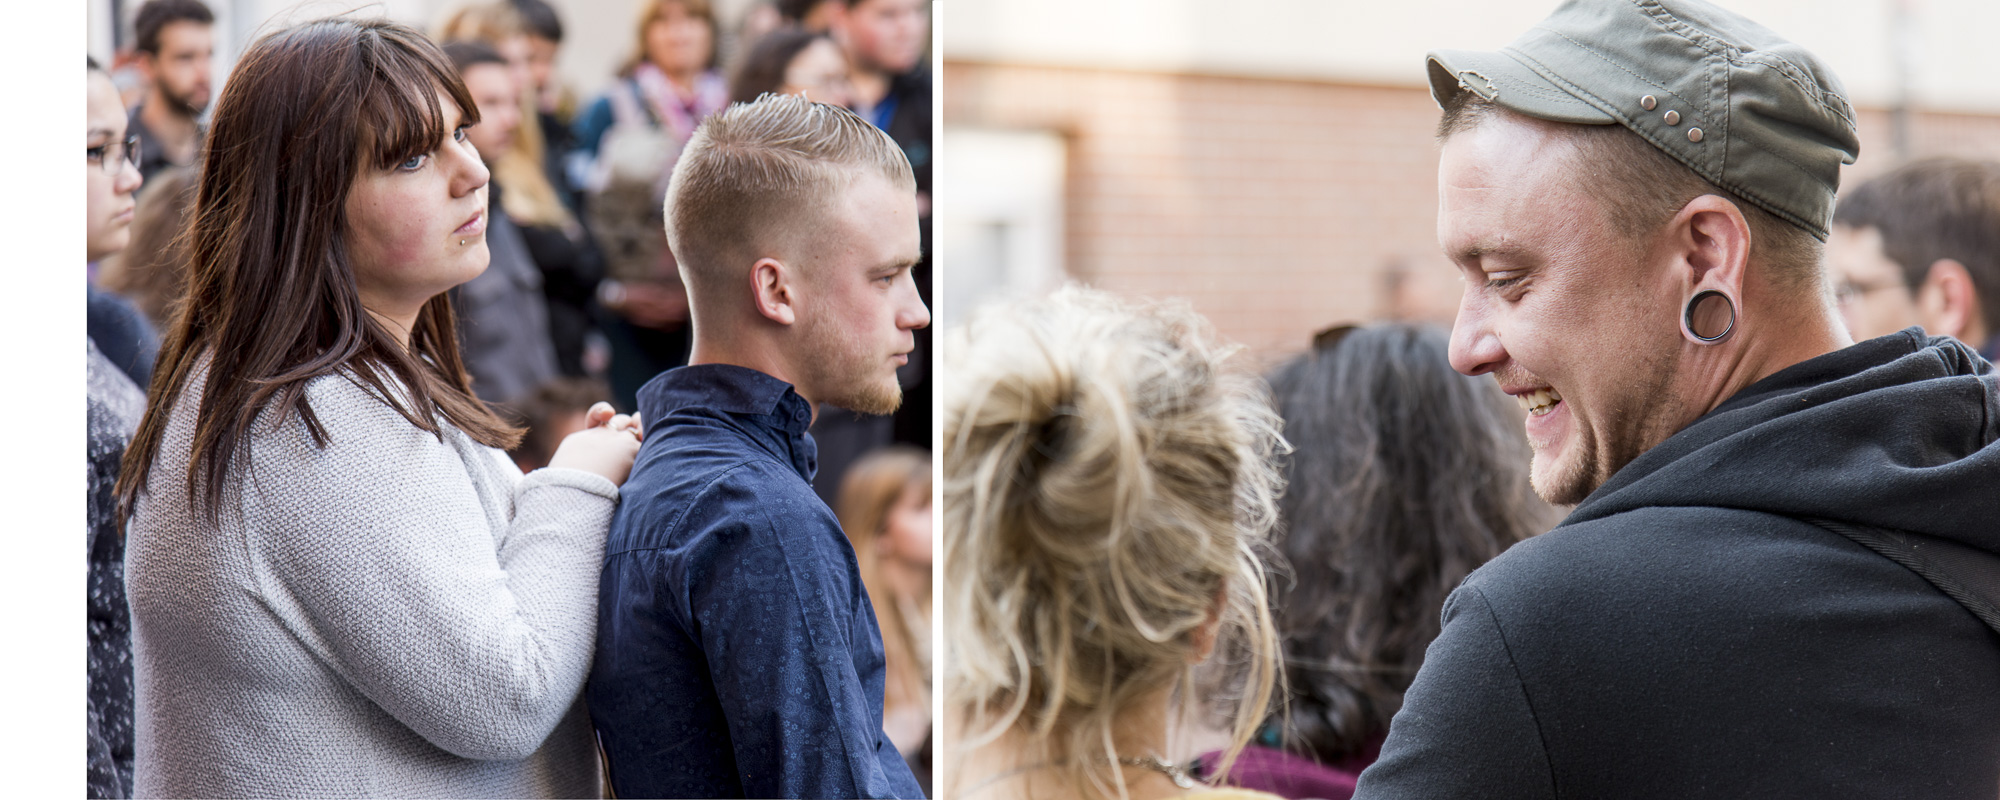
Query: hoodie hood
[1899, 432]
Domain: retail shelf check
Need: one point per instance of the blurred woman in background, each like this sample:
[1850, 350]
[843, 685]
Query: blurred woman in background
[885, 509]
[115, 405]
[627, 143]
[1107, 486]
[561, 249]
[339, 585]
[794, 61]
[668, 86]
[152, 273]
[1404, 477]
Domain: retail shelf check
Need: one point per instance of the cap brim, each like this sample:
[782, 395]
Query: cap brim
[1509, 84]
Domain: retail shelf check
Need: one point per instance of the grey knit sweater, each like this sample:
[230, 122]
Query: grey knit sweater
[387, 616]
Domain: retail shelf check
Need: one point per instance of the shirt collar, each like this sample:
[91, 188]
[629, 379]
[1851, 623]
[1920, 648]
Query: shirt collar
[758, 400]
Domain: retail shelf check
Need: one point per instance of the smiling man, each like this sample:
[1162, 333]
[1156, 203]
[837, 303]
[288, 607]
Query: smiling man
[737, 653]
[1782, 574]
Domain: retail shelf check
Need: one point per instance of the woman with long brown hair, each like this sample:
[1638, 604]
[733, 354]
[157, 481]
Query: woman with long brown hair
[339, 586]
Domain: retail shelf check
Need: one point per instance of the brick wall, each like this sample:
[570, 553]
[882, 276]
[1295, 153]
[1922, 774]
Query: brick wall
[1275, 206]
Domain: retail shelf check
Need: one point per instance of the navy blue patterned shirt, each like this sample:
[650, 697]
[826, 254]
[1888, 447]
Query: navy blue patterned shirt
[737, 654]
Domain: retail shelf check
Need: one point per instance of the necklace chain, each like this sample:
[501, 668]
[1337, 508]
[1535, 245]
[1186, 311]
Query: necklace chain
[1155, 763]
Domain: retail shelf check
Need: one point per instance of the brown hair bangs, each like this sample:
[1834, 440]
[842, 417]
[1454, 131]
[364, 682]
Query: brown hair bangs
[271, 299]
[400, 117]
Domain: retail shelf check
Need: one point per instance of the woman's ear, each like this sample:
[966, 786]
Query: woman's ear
[1205, 634]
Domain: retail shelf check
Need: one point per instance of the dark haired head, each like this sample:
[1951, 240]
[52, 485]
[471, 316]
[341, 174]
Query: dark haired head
[155, 15]
[797, 10]
[544, 406]
[1934, 209]
[1404, 477]
[763, 70]
[271, 300]
[468, 53]
[540, 19]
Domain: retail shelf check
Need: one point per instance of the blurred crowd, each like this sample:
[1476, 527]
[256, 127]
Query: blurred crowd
[581, 300]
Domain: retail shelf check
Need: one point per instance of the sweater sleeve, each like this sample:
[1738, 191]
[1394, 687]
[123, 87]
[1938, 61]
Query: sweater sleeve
[1467, 727]
[377, 551]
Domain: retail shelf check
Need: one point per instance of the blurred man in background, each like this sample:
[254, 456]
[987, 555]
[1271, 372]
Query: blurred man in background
[176, 42]
[1921, 246]
[886, 41]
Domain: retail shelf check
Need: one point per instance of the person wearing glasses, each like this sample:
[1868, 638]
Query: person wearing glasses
[116, 399]
[339, 584]
[118, 328]
[1921, 246]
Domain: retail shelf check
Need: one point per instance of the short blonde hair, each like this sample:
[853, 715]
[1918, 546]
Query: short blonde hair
[764, 169]
[1105, 479]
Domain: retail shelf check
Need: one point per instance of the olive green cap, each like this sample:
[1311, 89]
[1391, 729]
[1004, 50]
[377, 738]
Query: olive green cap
[1739, 105]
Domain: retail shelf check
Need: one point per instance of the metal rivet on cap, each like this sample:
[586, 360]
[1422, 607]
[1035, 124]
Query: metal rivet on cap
[1694, 134]
[1673, 117]
[1648, 102]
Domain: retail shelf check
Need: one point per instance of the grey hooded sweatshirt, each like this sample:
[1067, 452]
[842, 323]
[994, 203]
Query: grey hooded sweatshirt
[1688, 632]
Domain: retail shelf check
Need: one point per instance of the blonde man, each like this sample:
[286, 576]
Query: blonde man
[737, 653]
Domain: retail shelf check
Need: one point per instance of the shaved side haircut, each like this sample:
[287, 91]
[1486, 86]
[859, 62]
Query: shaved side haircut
[761, 175]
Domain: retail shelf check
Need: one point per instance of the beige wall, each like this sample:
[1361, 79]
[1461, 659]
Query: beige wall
[1274, 205]
[1946, 48]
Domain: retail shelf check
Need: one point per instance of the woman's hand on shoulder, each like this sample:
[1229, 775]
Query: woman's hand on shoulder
[606, 447]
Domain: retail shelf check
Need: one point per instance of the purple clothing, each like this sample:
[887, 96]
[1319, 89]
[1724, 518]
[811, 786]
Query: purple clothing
[1294, 776]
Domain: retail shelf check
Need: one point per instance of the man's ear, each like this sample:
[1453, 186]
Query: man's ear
[772, 289]
[1709, 241]
[1711, 237]
[1947, 302]
[148, 66]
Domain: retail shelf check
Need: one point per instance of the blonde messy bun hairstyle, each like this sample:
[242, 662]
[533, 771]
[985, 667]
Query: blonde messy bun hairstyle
[1104, 481]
